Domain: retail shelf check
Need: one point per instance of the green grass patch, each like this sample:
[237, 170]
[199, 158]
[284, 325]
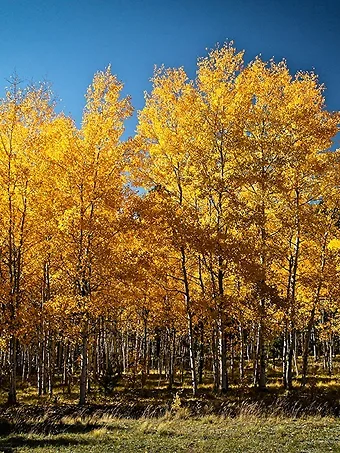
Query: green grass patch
[172, 433]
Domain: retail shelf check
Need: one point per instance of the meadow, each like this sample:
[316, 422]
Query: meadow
[157, 419]
[245, 433]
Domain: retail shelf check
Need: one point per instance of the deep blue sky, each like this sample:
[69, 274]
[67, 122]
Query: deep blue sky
[67, 41]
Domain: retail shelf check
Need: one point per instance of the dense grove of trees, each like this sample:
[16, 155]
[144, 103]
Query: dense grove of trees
[225, 258]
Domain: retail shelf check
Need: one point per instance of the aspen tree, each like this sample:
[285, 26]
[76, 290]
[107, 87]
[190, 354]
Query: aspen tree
[24, 113]
[165, 134]
[90, 165]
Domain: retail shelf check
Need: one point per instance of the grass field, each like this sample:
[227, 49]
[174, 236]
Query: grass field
[156, 419]
[177, 433]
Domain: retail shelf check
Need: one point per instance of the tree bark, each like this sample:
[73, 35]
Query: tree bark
[12, 393]
[84, 365]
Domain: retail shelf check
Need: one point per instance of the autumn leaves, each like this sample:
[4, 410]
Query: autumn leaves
[230, 236]
[239, 152]
[62, 191]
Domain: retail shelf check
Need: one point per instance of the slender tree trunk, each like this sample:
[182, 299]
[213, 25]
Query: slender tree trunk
[241, 360]
[330, 355]
[312, 315]
[145, 349]
[288, 358]
[260, 360]
[201, 354]
[12, 393]
[172, 346]
[41, 361]
[51, 363]
[189, 324]
[192, 354]
[306, 347]
[291, 289]
[84, 365]
[214, 347]
[222, 357]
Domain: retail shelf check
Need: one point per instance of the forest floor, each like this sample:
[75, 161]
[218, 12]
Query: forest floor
[156, 419]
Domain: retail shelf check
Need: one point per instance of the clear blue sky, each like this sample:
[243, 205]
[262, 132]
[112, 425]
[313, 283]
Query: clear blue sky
[67, 41]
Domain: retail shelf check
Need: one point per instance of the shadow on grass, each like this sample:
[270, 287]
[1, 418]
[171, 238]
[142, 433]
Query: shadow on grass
[47, 428]
[10, 444]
